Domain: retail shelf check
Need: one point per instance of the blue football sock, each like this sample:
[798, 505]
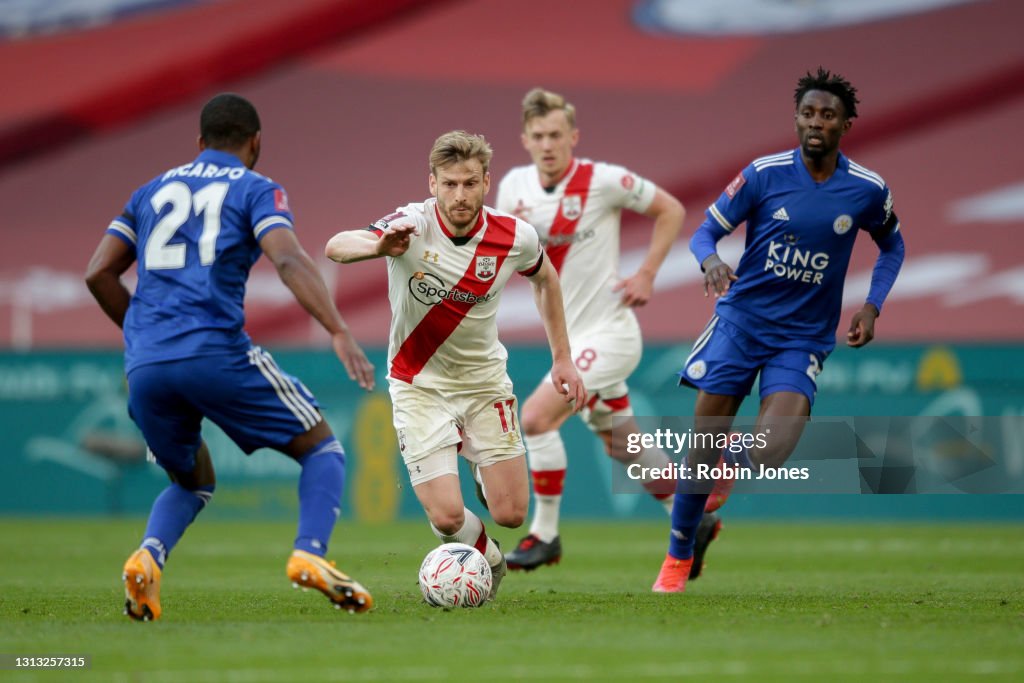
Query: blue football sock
[687, 511]
[173, 510]
[320, 486]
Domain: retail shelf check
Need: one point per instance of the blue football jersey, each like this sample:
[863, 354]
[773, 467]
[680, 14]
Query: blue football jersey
[195, 230]
[799, 238]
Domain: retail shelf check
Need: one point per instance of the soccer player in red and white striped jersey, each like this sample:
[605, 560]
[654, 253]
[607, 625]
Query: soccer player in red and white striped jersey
[449, 259]
[576, 205]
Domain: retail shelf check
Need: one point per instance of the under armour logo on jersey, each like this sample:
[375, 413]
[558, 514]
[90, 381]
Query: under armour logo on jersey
[430, 256]
[781, 215]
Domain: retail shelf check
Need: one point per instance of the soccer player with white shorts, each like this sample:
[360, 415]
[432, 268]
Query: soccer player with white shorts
[448, 260]
[776, 316]
[576, 206]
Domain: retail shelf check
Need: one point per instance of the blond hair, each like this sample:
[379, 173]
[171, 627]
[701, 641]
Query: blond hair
[540, 102]
[458, 145]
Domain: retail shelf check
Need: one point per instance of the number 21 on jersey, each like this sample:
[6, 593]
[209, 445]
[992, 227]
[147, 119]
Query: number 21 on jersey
[206, 202]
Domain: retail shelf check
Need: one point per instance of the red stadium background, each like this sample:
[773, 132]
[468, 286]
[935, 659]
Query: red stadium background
[353, 92]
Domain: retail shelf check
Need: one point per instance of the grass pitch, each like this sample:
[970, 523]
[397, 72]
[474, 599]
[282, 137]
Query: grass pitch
[778, 602]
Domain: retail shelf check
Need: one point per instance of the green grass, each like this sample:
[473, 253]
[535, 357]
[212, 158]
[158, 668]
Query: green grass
[778, 602]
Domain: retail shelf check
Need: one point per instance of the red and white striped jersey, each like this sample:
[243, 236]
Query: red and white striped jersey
[579, 221]
[444, 292]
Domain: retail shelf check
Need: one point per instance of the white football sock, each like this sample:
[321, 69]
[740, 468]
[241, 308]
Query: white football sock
[470, 533]
[548, 462]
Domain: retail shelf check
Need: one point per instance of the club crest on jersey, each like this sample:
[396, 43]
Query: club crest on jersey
[842, 224]
[697, 370]
[485, 267]
[572, 206]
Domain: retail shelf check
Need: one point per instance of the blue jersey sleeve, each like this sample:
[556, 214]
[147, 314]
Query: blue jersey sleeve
[737, 201]
[705, 240]
[884, 228]
[268, 207]
[881, 221]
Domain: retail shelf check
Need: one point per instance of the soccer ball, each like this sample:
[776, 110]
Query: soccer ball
[455, 575]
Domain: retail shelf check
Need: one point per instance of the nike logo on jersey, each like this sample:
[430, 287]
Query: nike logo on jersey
[781, 215]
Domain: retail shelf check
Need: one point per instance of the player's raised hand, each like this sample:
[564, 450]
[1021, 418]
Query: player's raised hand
[394, 241]
[862, 326]
[351, 355]
[636, 289]
[718, 276]
[568, 383]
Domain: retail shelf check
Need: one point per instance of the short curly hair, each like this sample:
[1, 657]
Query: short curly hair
[831, 83]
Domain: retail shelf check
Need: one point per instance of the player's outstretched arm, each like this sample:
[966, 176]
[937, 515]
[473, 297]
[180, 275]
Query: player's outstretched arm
[548, 294]
[668, 214]
[299, 273]
[359, 245]
[103, 277]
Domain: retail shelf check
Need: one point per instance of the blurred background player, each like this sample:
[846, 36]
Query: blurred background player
[196, 232]
[576, 206]
[776, 316]
[449, 260]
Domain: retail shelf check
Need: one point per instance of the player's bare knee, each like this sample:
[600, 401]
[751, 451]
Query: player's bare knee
[510, 513]
[510, 519]
[447, 521]
[778, 447]
[535, 421]
[616, 446]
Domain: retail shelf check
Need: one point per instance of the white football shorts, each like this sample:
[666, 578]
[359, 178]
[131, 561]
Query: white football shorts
[605, 359]
[484, 420]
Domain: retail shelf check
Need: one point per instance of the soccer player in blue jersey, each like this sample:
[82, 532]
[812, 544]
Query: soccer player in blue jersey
[777, 314]
[195, 232]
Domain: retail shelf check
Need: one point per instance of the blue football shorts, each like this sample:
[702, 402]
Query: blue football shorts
[245, 394]
[726, 360]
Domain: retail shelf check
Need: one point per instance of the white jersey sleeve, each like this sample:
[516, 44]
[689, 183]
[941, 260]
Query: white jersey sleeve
[622, 188]
[530, 250]
[505, 201]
